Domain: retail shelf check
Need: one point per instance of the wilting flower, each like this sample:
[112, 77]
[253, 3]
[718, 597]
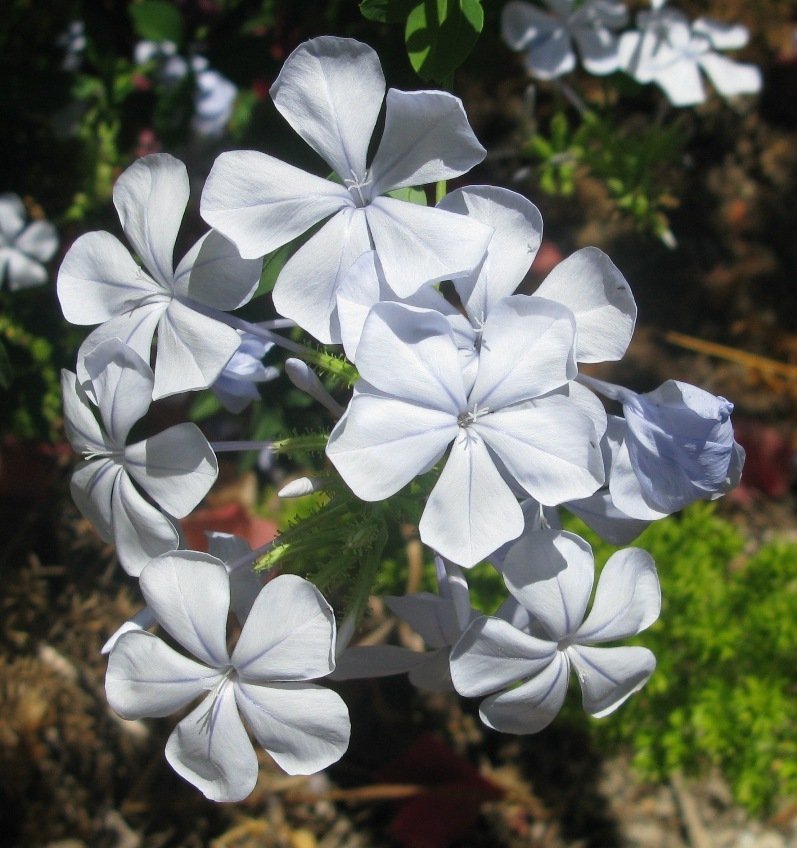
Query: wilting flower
[438, 619]
[547, 39]
[287, 639]
[677, 447]
[176, 468]
[23, 248]
[331, 90]
[514, 421]
[101, 283]
[671, 52]
[550, 575]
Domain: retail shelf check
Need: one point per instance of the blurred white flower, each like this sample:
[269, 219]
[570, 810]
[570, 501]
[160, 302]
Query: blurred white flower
[669, 51]
[23, 249]
[546, 40]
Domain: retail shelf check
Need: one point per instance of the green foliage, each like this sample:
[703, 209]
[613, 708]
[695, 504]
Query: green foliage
[439, 36]
[157, 20]
[634, 162]
[387, 11]
[723, 692]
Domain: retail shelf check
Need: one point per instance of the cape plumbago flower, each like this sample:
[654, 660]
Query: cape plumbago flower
[236, 386]
[587, 283]
[331, 90]
[176, 468]
[669, 51]
[677, 447]
[514, 422]
[23, 248]
[287, 639]
[101, 283]
[547, 39]
[245, 584]
[439, 620]
[550, 575]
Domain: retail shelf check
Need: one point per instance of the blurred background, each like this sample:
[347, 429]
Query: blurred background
[697, 207]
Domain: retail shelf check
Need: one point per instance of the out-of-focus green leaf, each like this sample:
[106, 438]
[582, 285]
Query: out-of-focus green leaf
[411, 195]
[440, 34]
[6, 374]
[157, 20]
[387, 11]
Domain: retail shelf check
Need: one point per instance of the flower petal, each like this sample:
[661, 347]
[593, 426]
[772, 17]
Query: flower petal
[176, 467]
[189, 594]
[608, 676]
[134, 328]
[471, 511]
[548, 447]
[192, 350]
[213, 273]
[92, 486]
[151, 197]
[289, 634]
[210, 748]
[589, 284]
[492, 654]
[550, 573]
[434, 674]
[39, 240]
[82, 428]
[523, 23]
[375, 661]
[680, 80]
[627, 600]
[517, 235]
[304, 727]
[122, 384]
[260, 203]
[410, 353]
[526, 351]
[722, 35]
[99, 279]
[427, 138]
[307, 287]
[148, 679]
[12, 214]
[22, 271]
[419, 245]
[433, 618]
[382, 443]
[731, 78]
[532, 706]
[330, 90]
[140, 530]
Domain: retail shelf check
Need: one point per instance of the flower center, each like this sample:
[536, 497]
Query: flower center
[206, 720]
[356, 184]
[470, 416]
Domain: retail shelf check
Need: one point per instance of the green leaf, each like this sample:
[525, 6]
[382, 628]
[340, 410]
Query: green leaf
[157, 20]
[387, 11]
[6, 373]
[410, 194]
[440, 34]
[204, 405]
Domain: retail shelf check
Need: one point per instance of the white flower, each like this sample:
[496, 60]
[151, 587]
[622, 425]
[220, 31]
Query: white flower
[513, 422]
[669, 51]
[23, 249]
[547, 39]
[587, 282]
[287, 639]
[214, 99]
[176, 468]
[331, 91]
[101, 283]
[236, 386]
[550, 574]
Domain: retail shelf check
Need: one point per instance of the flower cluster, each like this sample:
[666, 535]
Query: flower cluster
[473, 401]
[666, 48]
